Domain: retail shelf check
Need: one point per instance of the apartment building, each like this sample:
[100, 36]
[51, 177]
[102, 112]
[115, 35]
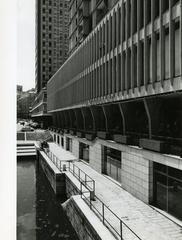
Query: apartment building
[119, 108]
[51, 45]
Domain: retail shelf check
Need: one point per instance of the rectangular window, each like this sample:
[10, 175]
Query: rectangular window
[69, 144]
[62, 141]
[58, 142]
[111, 163]
[168, 189]
[84, 152]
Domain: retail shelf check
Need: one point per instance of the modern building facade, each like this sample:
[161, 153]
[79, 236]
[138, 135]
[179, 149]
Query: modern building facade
[117, 100]
[84, 16]
[51, 46]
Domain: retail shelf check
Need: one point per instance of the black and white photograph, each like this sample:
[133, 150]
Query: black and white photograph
[95, 144]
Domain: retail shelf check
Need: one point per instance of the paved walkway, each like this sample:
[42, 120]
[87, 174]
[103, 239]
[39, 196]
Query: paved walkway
[145, 221]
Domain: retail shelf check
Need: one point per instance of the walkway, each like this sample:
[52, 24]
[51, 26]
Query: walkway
[145, 221]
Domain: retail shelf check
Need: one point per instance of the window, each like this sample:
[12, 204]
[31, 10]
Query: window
[84, 152]
[69, 144]
[62, 141]
[58, 139]
[168, 189]
[111, 163]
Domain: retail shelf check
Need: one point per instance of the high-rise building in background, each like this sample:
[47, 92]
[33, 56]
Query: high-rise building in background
[51, 49]
[51, 38]
[117, 100]
[84, 16]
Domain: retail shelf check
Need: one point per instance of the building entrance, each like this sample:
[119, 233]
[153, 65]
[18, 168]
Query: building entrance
[111, 163]
[168, 189]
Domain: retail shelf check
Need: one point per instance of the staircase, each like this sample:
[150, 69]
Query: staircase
[25, 149]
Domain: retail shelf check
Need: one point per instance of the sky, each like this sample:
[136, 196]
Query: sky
[26, 43]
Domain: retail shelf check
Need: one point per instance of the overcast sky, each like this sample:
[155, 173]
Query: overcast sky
[26, 43]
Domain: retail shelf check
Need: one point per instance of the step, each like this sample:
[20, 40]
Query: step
[26, 154]
[29, 147]
[27, 150]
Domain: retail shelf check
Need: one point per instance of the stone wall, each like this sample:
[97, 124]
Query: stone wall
[83, 222]
[56, 179]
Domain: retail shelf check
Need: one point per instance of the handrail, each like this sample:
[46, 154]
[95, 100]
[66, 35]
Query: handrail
[101, 214]
[82, 177]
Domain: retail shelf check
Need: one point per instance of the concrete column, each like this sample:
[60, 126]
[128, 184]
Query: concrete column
[162, 44]
[153, 43]
[138, 45]
[132, 46]
[171, 43]
[122, 27]
[106, 43]
[181, 34]
[146, 47]
[127, 74]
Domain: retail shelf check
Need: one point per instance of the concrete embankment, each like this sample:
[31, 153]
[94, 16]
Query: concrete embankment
[86, 224]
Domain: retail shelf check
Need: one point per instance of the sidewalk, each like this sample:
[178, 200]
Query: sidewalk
[145, 221]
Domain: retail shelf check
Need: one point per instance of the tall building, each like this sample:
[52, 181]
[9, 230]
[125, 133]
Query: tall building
[84, 16]
[51, 47]
[117, 100]
[51, 38]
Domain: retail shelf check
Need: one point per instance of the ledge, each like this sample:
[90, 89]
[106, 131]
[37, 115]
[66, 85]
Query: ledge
[122, 139]
[154, 145]
[103, 135]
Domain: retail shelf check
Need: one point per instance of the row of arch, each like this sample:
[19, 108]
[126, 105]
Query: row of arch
[157, 118]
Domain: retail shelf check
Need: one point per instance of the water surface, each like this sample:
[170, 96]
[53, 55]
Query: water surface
[39, 213]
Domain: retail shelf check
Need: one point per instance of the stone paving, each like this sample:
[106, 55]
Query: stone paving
[144, 220]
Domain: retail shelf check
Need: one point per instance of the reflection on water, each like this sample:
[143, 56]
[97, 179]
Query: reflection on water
[39, 212]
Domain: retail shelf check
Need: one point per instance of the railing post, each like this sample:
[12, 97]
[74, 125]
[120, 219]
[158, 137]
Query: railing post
[79, 174]
[103, 212]
[60, 165]
[90, 201]
[73, 170]
[69, 165]
[85, 178]
[121, 230]
[81, 188]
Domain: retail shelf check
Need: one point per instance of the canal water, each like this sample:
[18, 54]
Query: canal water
[39, 212]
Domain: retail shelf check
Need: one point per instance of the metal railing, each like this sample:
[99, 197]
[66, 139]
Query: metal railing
[82, 177]
[115, 224]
